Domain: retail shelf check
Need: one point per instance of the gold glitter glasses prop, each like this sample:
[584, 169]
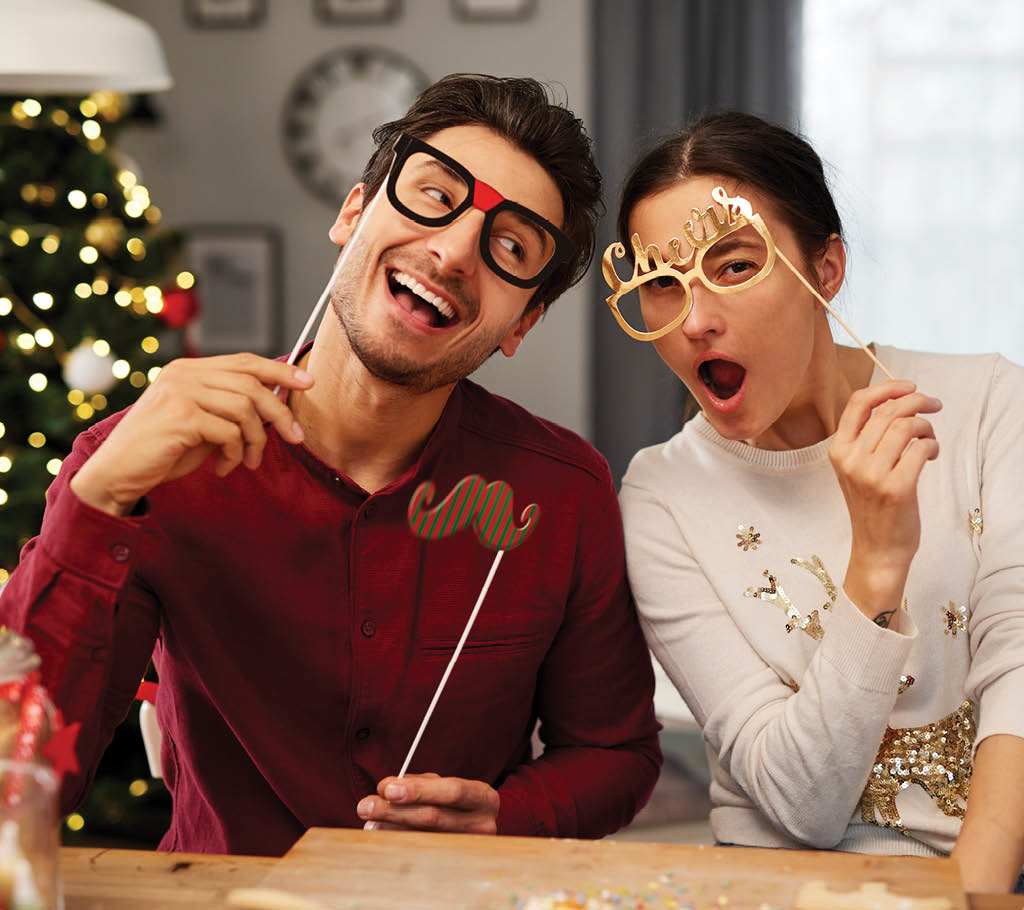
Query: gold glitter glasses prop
[727, 254]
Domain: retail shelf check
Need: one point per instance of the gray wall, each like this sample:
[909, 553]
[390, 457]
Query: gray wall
[216, 155]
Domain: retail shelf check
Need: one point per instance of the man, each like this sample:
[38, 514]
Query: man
[259, 542]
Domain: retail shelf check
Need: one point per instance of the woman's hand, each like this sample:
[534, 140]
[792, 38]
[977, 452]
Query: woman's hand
[193, 408]
[878, 452]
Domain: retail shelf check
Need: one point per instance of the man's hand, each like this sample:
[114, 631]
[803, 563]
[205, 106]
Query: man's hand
[193, 408]
[427, 802]
[880, 447]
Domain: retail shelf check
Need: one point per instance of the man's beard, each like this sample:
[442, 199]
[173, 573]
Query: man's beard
[381, 357]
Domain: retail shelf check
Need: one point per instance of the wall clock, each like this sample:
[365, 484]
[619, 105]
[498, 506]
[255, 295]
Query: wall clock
[332, 109]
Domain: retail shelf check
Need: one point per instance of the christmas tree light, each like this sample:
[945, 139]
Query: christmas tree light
[82, 268]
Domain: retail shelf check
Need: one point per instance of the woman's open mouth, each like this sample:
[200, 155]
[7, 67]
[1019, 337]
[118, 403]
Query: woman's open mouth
[722, 378]
[421, 303]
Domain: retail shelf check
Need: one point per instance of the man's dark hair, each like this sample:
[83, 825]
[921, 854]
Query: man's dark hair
[522, 111]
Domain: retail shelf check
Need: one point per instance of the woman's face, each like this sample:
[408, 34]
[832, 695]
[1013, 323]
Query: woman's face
[749, 356]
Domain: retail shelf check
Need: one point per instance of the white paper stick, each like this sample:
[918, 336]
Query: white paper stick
[835, 315]
[363, 218]
[451, 663]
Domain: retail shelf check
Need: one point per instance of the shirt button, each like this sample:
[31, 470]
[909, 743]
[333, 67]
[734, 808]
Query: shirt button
[369, 510]
[337, 479]
[368, 628]
[120, 552]
[363, 733]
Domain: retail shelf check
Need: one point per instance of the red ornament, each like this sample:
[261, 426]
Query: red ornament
[180, 307]
[61, 749]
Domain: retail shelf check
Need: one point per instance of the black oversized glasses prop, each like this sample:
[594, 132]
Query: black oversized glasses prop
[433, 189]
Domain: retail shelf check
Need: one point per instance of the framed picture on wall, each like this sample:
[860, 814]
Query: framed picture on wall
[238, 283]
[225, 13]
[343, 12]
[493, 10]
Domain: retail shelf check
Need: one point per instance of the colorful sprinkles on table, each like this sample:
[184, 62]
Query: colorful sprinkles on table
[662, 893]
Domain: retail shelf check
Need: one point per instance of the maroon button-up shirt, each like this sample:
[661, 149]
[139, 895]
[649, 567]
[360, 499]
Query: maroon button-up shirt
[299, 630]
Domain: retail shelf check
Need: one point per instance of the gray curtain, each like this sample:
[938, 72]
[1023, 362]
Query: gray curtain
[657, 64]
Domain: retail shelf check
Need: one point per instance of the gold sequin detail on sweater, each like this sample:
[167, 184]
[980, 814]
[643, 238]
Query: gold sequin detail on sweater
[794, 618]
[748, 538]
[975, 522]
[936, 757]
[956, 618]
[816, 567]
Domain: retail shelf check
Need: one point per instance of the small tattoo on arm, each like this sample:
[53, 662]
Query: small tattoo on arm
[884, 618]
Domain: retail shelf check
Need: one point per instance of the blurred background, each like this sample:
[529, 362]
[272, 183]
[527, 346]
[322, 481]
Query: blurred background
[917, 106]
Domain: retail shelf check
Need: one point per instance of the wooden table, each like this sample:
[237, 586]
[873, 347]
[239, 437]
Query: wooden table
[357, 870]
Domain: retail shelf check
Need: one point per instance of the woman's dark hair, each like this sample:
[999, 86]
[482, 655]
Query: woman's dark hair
[753, 152]
[522, 111]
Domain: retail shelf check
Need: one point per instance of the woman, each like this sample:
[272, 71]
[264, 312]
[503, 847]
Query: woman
[840, 602]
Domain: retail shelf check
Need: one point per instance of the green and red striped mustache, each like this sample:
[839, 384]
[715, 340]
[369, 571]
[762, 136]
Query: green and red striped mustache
[487, 505]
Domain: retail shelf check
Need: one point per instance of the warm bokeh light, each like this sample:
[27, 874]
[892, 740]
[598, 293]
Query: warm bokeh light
[75, 397]
[60, 116]
[133, 209]
[120, 369]
[44, 337]
[26, 341]
[136, 247]
[88, 254]
[31, 107]
[127, 179]
[91, 129]
[98, 401]
[5, 306]
[3, 497]
[37, 440]
[19, 237]
[77, 199]
[137, 379]
[75, 822]
[37, 382]
[43, 300]
[101, 347]
[123, 297]
[99, 200]
[83, 289]
[151, 376]
[51, 243]
[53, 466]
[89, 108]
[100, 285]
[150, 344]
[5, 464]
[185, 280]
[84, 411]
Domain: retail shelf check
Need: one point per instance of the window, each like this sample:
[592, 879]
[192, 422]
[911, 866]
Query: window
[918, 107]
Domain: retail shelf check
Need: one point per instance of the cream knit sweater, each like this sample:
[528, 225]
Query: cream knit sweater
[793, 720]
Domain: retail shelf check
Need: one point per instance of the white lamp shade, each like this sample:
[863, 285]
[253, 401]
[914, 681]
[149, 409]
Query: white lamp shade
[74, 47]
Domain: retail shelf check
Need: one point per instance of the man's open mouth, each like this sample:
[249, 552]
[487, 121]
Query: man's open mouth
[431, 309]
[723, 378]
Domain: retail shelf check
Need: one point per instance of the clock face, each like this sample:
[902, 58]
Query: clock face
[333, 108]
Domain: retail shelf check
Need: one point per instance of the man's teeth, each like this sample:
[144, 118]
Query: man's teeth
[439, 303]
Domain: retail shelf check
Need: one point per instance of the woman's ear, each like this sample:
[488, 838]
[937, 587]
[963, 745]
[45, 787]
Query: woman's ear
[345, 223]
[831, 267]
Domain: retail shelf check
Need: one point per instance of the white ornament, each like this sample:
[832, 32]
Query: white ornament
[86, 370]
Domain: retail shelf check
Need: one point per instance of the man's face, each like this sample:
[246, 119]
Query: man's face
[420, 307]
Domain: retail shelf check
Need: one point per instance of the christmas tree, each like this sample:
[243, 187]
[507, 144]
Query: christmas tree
[90, 305]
